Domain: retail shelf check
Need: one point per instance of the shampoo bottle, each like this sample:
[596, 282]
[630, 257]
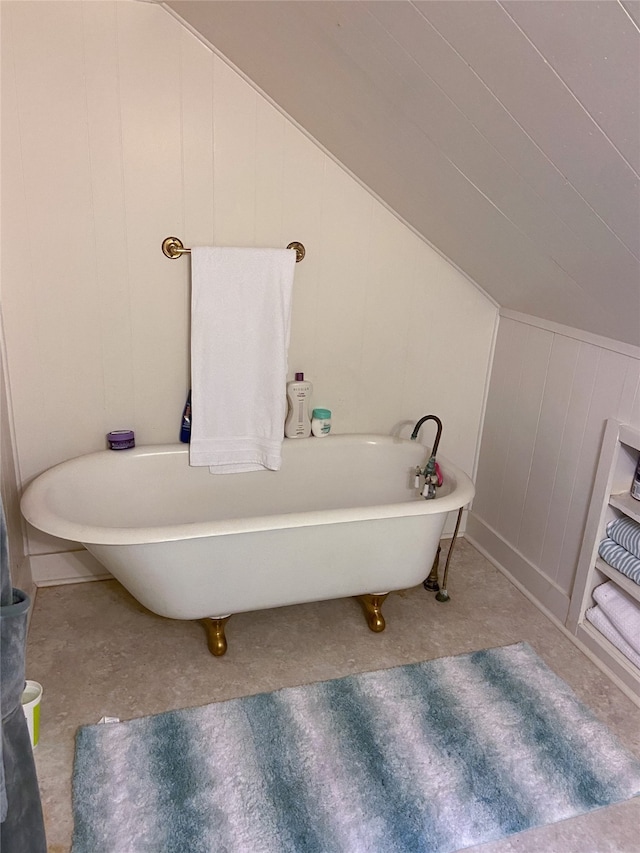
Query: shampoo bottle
[185, 426]
[298, 422]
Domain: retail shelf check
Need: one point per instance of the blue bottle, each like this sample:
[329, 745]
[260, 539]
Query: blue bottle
[185, 427]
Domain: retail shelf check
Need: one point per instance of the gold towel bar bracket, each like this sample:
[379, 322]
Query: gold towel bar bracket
[174, 248]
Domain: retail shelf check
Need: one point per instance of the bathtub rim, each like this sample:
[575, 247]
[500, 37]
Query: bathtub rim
[39, 515]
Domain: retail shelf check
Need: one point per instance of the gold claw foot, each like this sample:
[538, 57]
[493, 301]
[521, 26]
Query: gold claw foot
[216, 639]
[372, 606]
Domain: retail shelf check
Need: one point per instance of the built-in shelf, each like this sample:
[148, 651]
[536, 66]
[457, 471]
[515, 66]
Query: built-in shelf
[611, 499]
[625, 583]
[619, 665]
[626, 504]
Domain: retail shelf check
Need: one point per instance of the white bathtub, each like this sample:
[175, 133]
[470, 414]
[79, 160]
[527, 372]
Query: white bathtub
[341, 518]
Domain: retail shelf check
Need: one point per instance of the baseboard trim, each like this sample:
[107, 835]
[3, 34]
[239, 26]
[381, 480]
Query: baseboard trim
[66, 567]
[527, 577]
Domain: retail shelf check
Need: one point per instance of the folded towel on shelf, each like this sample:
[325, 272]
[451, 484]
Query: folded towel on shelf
[240, 327]
[626, 532]
[621, 610]
[599, 620]
[619, 558]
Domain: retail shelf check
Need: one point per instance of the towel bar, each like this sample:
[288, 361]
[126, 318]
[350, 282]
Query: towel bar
[174, 248]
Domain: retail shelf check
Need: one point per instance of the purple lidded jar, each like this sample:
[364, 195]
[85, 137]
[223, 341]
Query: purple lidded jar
[121, 439]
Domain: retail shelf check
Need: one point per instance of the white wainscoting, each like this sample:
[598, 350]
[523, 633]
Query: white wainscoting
[552, 388]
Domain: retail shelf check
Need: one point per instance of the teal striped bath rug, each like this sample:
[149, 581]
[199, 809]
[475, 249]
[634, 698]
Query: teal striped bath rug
[430, 757]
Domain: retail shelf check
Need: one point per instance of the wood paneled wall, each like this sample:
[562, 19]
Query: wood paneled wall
[119, 129]
[551, 391]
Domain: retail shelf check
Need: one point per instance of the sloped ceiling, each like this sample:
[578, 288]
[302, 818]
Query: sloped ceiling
[506, 133]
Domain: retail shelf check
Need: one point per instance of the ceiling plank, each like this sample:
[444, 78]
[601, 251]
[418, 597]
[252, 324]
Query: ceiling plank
[591, 47]
[452, 115]
[536, 98]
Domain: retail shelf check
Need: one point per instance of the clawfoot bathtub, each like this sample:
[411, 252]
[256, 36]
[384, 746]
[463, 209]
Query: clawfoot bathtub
[341, 518]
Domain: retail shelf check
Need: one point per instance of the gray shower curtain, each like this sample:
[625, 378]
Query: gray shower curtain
[21, 821]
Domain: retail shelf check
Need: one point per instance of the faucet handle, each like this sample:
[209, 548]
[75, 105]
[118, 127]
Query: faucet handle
[429, 490]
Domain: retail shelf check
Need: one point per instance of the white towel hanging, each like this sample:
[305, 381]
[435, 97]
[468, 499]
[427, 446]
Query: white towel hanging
[240, 330]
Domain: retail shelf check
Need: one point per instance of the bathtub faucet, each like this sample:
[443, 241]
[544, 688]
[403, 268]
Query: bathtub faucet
[430, 470]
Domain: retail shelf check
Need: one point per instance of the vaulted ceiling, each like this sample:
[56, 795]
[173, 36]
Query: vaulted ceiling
[506, 133]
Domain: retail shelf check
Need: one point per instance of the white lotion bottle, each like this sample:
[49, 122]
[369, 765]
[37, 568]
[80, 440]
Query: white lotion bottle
[298, 423]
